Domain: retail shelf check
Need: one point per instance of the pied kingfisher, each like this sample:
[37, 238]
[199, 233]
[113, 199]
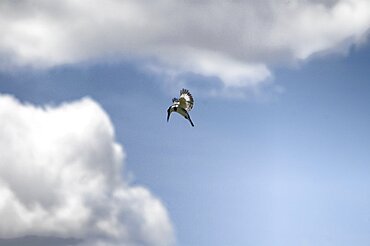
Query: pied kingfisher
[182, 105]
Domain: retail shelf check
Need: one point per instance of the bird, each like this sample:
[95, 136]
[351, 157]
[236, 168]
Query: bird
[182, 105]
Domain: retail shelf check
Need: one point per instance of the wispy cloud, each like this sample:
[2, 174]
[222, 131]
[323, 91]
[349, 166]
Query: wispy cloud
[61, 176]
[236, 41]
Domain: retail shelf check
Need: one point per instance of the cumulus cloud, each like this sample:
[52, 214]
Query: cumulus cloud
[61, 176]
[236, 41]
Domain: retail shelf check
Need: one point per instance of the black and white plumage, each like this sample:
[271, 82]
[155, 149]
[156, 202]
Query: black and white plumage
[182, 105]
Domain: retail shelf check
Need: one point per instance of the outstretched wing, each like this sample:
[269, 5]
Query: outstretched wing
[186, 100]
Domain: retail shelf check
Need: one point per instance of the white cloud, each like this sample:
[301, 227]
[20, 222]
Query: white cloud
[237, 41]
[61, 175]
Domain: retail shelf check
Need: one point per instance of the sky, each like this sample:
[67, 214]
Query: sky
[278, 154]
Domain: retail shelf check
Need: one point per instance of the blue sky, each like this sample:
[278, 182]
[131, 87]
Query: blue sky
[278, 156]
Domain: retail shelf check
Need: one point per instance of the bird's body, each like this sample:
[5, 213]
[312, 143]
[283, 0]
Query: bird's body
[182, 105]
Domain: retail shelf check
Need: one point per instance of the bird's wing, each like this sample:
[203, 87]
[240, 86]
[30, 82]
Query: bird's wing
[186, 100]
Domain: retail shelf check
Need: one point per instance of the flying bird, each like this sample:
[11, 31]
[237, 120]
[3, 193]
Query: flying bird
[182, 105]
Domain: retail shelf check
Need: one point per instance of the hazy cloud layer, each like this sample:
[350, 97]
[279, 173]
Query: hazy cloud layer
[237, 41]
[61, 176]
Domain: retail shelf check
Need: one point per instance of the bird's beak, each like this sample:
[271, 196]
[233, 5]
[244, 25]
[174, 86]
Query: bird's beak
[168, 115]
